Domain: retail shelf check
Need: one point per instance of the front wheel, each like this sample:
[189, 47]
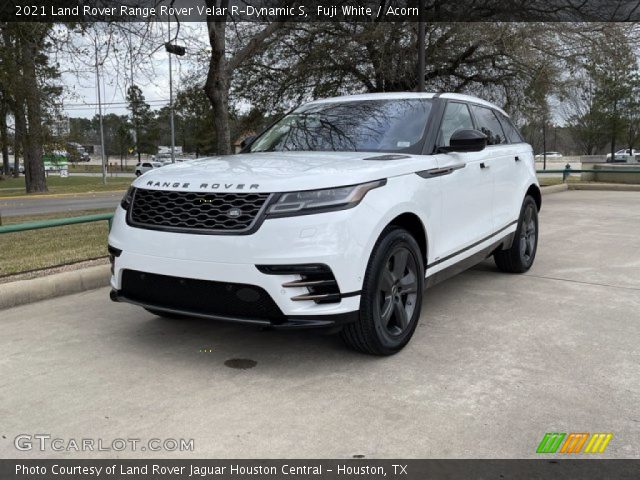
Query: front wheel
[520, 257]
[391, 296]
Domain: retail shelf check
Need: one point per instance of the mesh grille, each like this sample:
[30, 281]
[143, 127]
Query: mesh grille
[195, 211]
[234, 300]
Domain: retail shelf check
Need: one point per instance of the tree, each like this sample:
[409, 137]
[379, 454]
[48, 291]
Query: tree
[140, 120]
[4, 136]
[82, 131]
[122, 140]
[583, 119]
[613, 68]
[251, 41]
[195, 120]
[27, 86]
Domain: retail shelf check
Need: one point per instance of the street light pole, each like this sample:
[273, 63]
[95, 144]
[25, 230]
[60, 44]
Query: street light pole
[134, 131]
[173, 131]
[102, 157]
[421, 45]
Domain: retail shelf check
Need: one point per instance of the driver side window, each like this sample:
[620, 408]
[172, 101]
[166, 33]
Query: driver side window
[456, 117]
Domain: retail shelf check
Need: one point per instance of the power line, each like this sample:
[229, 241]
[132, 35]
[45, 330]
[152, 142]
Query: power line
[66, 105]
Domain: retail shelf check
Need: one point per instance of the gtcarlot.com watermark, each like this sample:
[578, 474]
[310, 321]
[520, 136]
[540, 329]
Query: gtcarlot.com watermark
[45, 442]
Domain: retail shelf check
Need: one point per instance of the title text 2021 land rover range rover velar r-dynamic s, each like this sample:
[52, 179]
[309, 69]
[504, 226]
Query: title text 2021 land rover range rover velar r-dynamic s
[338, 215]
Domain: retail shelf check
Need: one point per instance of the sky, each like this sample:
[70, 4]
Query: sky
[80, 93]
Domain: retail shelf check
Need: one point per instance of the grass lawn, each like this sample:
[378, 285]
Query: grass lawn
[86, 168]
[11, 187]
[48, 247]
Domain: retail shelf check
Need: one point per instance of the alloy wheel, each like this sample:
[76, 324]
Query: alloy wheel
[397, 291]
[528, 234]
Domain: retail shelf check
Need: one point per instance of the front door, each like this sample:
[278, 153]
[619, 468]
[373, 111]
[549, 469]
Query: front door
[466, 189]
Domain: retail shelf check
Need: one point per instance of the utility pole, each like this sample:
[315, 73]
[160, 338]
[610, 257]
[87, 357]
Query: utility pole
[544, 142]
[104, 170]
[172, 49]
[173, 131]
[134, 130]
[421, 45]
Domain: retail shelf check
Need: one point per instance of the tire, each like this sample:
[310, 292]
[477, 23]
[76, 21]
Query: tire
[138, 173]
[520, 257]
[159, 313]
[391, 296]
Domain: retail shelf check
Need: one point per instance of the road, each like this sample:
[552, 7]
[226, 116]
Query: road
[11, 207]
[497, 361]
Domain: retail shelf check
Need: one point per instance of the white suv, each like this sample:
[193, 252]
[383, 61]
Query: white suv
[337, 216]
[145, 167]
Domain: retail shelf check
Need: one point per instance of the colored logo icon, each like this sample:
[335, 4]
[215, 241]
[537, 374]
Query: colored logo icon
[574, 443]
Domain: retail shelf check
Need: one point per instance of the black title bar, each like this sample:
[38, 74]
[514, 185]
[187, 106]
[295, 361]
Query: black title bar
[321, 10]
[547, 469]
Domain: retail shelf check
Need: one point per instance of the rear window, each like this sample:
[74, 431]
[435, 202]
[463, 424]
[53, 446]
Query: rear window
[511, 132]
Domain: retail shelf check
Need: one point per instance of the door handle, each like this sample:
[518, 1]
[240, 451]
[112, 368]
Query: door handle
[517, 159]
[482, 165]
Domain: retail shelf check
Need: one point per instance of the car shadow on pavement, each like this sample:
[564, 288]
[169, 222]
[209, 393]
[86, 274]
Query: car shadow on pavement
[196, 339]
[232, 346]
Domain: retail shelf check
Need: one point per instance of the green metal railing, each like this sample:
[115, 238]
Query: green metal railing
[568, 171]
[60, 222]
[56, 222]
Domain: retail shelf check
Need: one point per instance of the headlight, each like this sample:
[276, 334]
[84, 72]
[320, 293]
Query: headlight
[317, 201]
[126, 200]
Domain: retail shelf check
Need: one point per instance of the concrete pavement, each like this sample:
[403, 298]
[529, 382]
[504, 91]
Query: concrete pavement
[11, 207]
[497, 361]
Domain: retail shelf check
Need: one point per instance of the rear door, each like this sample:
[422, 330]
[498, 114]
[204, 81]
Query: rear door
[467, 187]
[509, 190]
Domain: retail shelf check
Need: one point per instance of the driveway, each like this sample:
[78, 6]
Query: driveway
[497, 361]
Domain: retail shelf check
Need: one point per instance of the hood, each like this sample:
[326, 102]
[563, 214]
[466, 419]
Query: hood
[281, 171]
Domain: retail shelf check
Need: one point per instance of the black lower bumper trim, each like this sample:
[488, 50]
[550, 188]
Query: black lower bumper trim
[289, 322]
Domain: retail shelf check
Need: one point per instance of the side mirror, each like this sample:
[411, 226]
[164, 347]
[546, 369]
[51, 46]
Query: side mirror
[247, 141]
[466, 141]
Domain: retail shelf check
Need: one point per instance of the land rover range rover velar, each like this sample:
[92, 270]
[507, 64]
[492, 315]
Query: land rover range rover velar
[338, 215]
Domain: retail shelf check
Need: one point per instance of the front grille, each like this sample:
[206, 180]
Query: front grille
[196, 212]
[234, 300]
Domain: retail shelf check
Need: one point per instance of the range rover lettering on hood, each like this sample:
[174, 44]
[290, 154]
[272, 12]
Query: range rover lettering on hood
[205, 186]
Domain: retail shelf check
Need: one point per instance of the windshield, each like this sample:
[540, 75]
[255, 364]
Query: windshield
[361, 126]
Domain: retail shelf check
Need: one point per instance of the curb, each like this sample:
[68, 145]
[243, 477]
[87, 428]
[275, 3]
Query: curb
[612, 187]
[60, 195]
[561, 187]
[56, 285]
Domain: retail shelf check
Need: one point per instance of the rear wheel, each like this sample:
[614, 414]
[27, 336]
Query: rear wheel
[520, 257]
[391, 297]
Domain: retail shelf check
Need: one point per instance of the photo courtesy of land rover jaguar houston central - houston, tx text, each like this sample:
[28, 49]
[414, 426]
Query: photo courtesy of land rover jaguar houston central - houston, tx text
[337, 216]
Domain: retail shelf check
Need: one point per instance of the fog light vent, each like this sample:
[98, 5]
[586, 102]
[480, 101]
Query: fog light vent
[317, 278]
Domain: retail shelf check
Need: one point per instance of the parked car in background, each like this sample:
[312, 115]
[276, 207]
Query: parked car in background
[337, 216]
[548, 155]
[624, 155]
[165, 158]
[20, 169]
[77, 153]
[144, 167]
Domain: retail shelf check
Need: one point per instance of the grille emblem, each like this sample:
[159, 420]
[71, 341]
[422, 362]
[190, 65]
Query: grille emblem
[234, 213]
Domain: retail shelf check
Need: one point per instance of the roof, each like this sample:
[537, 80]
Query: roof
[405, 96]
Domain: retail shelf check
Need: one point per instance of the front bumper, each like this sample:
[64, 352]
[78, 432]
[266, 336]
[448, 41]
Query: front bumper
[291, 322]
[334, 239]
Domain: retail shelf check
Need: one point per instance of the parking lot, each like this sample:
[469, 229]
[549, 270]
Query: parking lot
[496, 362]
